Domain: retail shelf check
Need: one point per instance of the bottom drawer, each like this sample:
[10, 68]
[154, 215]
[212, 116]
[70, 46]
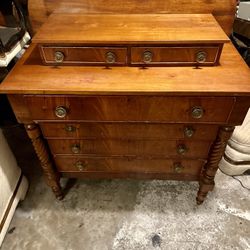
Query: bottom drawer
[129, 165]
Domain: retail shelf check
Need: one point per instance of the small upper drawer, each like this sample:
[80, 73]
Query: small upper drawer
[175, 55]
[83, 55]
[131, 108]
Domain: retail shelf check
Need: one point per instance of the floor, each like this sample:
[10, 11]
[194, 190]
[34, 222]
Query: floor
[129, 214]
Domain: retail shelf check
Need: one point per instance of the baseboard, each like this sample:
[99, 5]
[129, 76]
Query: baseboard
[18, 194]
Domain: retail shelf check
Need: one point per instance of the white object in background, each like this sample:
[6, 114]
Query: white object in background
[13, 186]
[237, 154]
[4, 61]
[244, 11]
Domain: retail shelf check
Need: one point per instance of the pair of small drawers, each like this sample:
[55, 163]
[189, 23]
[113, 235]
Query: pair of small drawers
[130, 133]
[133, 56]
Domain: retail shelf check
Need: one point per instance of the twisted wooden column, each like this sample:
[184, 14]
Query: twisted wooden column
[215, 155]
[51, 175]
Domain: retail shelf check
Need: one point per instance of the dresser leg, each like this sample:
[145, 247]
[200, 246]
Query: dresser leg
[215, 155]
[51, 175]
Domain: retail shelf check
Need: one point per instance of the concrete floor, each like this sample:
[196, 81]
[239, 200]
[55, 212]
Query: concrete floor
[129, 214]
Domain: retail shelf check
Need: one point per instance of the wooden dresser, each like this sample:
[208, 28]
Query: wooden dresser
[129, 122]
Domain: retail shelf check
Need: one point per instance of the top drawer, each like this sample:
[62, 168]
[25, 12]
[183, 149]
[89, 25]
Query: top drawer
[175, 55]
[66, 55]
[131, 108]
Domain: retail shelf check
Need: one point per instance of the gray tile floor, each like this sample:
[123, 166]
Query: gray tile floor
[129, 214]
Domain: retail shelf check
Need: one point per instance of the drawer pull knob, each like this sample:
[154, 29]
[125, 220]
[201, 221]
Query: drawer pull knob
[178, 168]
[75, 148]
[147, 57]
[182, 149]
[60, 112]
[197, 112]
[70, 128]
[110, 57]
[201, 57]
[188, 132]
[59, 56]
[80, 165]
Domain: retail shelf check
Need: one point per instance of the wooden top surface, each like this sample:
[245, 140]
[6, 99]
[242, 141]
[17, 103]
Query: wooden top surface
[223, 10]
[29, 76]
[132, 28]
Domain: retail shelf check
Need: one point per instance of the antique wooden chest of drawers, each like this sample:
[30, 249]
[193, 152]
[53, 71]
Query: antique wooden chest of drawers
[128, 122]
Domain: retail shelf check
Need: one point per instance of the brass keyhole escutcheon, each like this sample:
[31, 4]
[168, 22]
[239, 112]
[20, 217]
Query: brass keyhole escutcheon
[188, 132]
[197, 112]
[147, 57]
[201, 57]
[75, 148]
[182, 149]
[110, 57]
[59, 56]
[60, 112]
[178, 168]
[81, 166]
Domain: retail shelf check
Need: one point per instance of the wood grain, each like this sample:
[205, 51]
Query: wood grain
[83, 55]
[223, 10]
[153, 148]
[231, 77]
[126, 164]
[131, 108]
[132, 28]
[178, 56]
[131, 131]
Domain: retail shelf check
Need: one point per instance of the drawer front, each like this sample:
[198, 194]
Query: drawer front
[162, 148]
[131, 108]
[95, 130]
[174, 55]
[112, 164]
[84, 55]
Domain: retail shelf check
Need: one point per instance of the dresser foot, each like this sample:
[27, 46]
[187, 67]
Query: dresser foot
[52, 177]
[216, 152]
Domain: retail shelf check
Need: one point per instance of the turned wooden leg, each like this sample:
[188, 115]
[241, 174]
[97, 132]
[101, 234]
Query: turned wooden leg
[51, 175]
[215, 155]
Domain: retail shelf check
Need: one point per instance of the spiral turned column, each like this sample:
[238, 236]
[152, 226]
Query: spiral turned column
[215, 155]
[51, 175]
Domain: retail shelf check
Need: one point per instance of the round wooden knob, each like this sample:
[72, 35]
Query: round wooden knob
[188, 132]
[80, 165]
[182, 149]
[178, 168]
[60, 112]
[75, 148]
[110, 57]
[197, 112]
[59, 56]
[147, 57]
[201, 57]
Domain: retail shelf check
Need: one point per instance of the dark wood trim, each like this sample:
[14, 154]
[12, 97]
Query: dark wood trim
[11, 202]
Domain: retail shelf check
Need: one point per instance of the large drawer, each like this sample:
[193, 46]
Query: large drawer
[163, 148]
[128, 164]
[186, 55]
[66, 55]
[97, 130]
[131, 108]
